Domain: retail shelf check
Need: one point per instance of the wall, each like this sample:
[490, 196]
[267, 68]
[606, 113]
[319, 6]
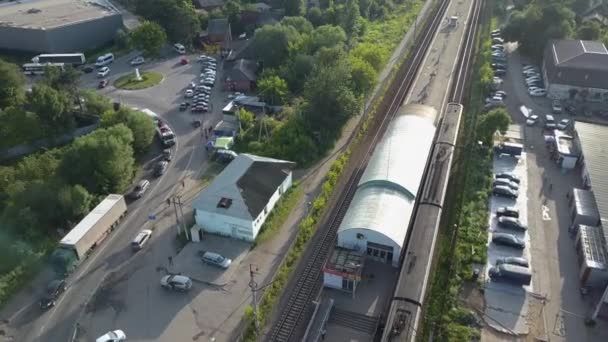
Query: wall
[222, 225]
[76, 37]
[259, 221]
[348, 239]
[332, 280]
[242, 85]
[562, 92]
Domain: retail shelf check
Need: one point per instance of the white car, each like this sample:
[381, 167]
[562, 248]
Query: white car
[538, 92]
[138, 61]
[103, 72]
[189, 93]
[192, 85]
[532, 120]
[112, 336]
[176, 282]
[563, 124]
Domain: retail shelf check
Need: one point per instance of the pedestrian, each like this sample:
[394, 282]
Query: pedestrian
[168, 202]
[550, 186]
[206, 136]
[170, 260]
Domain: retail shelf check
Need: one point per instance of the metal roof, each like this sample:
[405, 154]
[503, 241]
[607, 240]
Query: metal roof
[591, 239]
[585, 204]
[246, 188]
[90, 220]
[399, 160]
[578, 63]
[592, 139]
[380, 209]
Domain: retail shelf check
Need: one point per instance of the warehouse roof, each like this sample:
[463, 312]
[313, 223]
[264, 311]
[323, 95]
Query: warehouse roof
[90, 220]
[585, 204]
[580, 63]
[381, 209]
[400, 159]
[592, 139]
[45, 14]
[244, 187]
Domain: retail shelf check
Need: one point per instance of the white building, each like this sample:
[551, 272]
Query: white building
[241, 197]
[377, 221]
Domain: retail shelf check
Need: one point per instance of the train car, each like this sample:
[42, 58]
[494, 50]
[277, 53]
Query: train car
[406, 307]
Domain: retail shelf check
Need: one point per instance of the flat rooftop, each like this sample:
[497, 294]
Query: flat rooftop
[46, 14]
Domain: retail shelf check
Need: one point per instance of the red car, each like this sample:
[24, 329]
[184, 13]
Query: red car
[103, 84]
[184, 61]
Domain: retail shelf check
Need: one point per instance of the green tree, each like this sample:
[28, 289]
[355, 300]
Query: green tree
[327, 36]
[301, 25]
[74, 202]
[292, 141]
[149, 37]
[246, 118]
[232, 10]
[590, 30]
[374, 54]
[139, 123]
[53, 107]
[330, 99]
[18, 127]
[350, 18]
[495, 120]
[273, 89]
[122, 40]
[272, 43]
[177, 17]
[95, 103]
[294, 7]
[104, 158]
[12, 85]
[66, 79]
[486, 74]
[315, 16]
[364, 76]
[299, 69]
[327, 56]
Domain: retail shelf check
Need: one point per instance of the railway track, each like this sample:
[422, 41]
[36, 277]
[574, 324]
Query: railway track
[308, 283]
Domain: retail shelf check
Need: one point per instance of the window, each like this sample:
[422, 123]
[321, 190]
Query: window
[224, 203]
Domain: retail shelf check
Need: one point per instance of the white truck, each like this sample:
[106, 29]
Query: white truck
[91, 231]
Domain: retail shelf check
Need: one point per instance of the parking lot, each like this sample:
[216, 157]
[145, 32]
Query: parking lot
[552, 306]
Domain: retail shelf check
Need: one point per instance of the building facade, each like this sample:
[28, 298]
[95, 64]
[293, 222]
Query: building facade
[576, 69]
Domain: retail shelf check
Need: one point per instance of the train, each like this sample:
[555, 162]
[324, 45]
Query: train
[406, 305]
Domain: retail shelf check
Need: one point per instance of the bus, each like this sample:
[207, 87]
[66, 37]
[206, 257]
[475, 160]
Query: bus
[74, 59]
[38, 69]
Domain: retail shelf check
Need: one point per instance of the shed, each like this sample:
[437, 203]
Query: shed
[583, 208]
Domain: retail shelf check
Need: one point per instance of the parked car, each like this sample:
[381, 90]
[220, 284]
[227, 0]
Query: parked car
[216, 260]
[102, 84]
[563, 124]
[103, 72]
[505, 182]
[556, 107]
[511, 223]
[532, 119]
[505, 191]
[550, 122]
[509, 240]
[508, 175]
[511, 273]
[54, 289]
[500, 72]
[141, 239]
[497, 40]
[499, 66]
[87, 69]
[112, 336]
[189, 93]
[184, 61]
[501, 93]
[160, 168]
[140, 189]
[507, 211]
[508, 148]
[183, 106]
[176, 282]
[518, 261]
[139, 60]
[538, 93]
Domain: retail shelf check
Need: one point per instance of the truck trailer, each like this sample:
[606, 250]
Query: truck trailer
[91, 231]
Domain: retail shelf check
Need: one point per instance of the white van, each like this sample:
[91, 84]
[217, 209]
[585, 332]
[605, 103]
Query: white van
[179, 48]
[104, 60]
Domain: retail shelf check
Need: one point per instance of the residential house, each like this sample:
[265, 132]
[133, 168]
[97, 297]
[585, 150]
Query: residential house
[240, 198]
[218, 32]
[240, 75]
[209, 5]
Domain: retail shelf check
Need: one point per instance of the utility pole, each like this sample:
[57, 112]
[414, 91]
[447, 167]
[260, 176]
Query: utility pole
[176, 217]
[253, 285]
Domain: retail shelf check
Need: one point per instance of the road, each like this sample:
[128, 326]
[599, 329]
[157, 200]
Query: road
[58, 323]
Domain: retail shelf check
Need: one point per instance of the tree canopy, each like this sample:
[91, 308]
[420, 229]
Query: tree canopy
[177, 17]
[273, 89]
[139, 123]
[12, 85]
[149, 37]
[54, 108]
[495, 120]
[271, 44]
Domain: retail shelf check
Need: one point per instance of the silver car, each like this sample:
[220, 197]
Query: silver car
[216, 260]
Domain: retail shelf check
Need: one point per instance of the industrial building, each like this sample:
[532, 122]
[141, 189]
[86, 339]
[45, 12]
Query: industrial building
[238, 201]
[57, 25]
[377, 220]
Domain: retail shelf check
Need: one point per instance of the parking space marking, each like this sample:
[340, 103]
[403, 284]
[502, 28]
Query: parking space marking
[545, 210]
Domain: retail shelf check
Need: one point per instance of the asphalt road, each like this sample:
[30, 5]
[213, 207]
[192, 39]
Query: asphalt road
[58, 323]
